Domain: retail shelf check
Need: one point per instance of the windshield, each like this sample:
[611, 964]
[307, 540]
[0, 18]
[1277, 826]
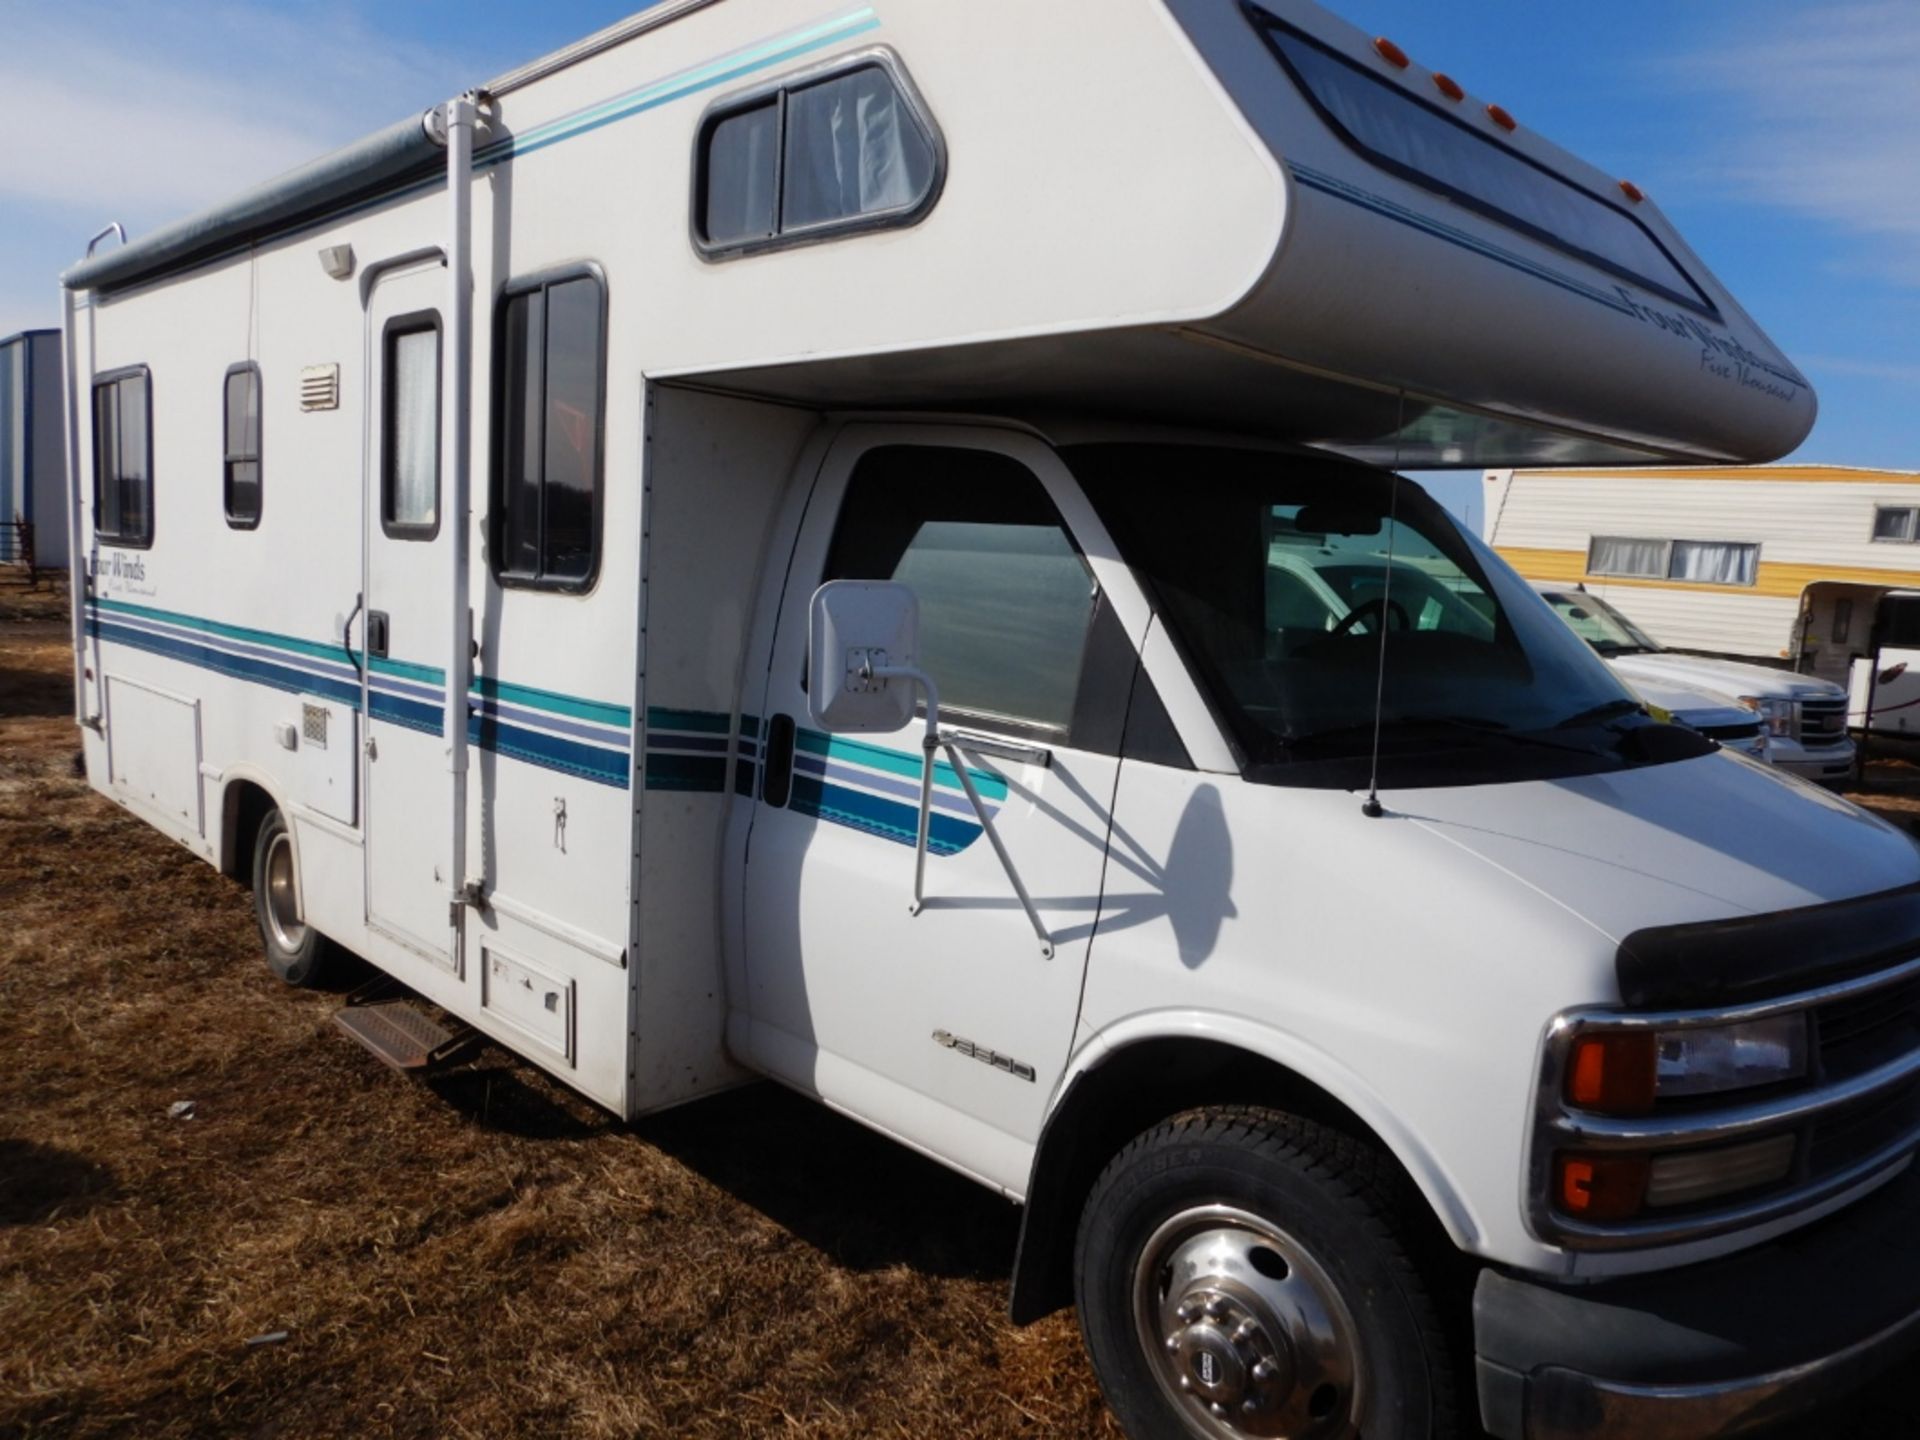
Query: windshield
[1600, 625]
[1272, 570]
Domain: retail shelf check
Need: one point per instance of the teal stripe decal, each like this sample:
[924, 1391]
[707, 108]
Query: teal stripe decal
[598, 711]
[894, 762]
[551, 701]
[675, 87]
[336, 653]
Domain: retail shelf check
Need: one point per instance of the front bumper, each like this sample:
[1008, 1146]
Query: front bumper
[1827, 764]
[1723, 1348]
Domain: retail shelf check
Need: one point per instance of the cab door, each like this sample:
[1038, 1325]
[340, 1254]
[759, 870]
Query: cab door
[952, 1017]
[405, 630]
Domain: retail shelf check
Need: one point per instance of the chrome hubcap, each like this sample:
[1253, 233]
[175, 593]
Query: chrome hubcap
[283, 895]
[1244, 1330]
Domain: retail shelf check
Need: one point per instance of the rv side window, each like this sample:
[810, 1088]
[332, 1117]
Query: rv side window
[549, 396]
[123, 458]
[241, 473]
[410, 413]
[816, 155]
[1005, 597]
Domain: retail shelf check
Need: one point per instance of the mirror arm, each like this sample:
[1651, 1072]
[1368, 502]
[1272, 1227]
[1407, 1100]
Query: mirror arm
[931, 742]
[959, 763]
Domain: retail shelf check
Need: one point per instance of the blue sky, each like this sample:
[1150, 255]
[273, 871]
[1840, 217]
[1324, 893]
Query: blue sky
[1782, 136]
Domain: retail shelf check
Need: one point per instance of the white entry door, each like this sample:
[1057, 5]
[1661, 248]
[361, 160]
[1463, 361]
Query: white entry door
[406, 625]
[952, 1017]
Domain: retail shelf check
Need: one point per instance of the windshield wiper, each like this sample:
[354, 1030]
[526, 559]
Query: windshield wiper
[1607, 710]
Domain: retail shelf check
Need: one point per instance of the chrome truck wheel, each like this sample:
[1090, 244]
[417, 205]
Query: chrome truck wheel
[1239, 1273]
[296, 952]
[1248, 1334]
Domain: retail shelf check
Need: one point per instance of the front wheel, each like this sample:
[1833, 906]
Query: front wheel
[296, 952]
[1239, 1273]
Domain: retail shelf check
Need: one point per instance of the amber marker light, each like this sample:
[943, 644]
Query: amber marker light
[1448, 86]
[1614, 1072]
[1600, 1187]
[1500, 117]
[1391, 53]
[1632, 191]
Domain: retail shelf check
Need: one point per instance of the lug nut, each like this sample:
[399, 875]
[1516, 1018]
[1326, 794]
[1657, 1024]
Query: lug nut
[1173, 1342]
[1263, 1370]
[1216, 1307]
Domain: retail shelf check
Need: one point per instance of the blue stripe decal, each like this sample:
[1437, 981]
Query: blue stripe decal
[279, 677]
[589, 762]
[887, 819]
[219, 649]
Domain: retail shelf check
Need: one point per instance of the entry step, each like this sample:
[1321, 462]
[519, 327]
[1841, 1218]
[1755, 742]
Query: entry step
[403, 1036]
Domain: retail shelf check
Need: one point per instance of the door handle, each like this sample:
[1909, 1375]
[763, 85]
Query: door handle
[776, 785]
[378, 633]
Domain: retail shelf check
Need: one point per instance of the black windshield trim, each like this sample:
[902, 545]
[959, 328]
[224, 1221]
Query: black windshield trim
[1265, 23]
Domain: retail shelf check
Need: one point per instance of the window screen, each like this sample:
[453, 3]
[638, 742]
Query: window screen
[1618, 555]
[841, 150]
[1893, 523]
[1428, 146]
[410, 403]
[123, 459]
[1714, 562]
[551, 369]
[1696, 562]
[241, 472]
[1005, 597]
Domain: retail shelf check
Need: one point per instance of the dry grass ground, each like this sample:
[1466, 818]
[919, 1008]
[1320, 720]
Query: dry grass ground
[483, 1255]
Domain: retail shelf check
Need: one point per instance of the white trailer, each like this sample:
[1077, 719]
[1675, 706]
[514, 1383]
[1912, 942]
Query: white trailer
[516, 545]
[33, 452]
[1774, 563]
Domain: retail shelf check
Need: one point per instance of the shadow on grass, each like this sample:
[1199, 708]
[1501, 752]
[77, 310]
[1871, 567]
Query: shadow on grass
[40, 1183]
[862, 1199]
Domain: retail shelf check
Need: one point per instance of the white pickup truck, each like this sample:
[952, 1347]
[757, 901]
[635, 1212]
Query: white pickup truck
[1804, 720]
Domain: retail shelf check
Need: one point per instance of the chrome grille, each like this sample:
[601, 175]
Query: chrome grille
[1823, 723]
[1854, 1034]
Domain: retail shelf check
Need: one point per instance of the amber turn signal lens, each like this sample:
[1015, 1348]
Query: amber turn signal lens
[1614, 1073]
[1448, 86]
[1391, 53]
[1600, 1187]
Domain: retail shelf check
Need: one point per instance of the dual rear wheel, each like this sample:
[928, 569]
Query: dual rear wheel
[296, 952]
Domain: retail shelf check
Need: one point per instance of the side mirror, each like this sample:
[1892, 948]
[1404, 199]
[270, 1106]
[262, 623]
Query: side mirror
[863, 644]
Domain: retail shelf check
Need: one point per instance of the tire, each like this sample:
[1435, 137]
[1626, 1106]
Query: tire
[1240, 1272]
[296, 952]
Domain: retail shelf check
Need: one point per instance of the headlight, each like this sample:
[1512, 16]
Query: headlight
[1625, 1072]
[1777, 717]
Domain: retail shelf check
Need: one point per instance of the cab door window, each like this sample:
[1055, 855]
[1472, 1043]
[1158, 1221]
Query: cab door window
[1006, 599]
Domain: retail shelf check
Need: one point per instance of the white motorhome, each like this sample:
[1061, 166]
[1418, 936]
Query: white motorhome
[33, 452]
[517, 544]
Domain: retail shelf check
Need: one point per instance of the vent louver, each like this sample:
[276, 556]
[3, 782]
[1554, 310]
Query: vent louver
[320, 387]
[313, 725]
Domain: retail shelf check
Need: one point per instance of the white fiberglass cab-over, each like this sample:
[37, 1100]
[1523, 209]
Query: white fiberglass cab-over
[851, 543]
